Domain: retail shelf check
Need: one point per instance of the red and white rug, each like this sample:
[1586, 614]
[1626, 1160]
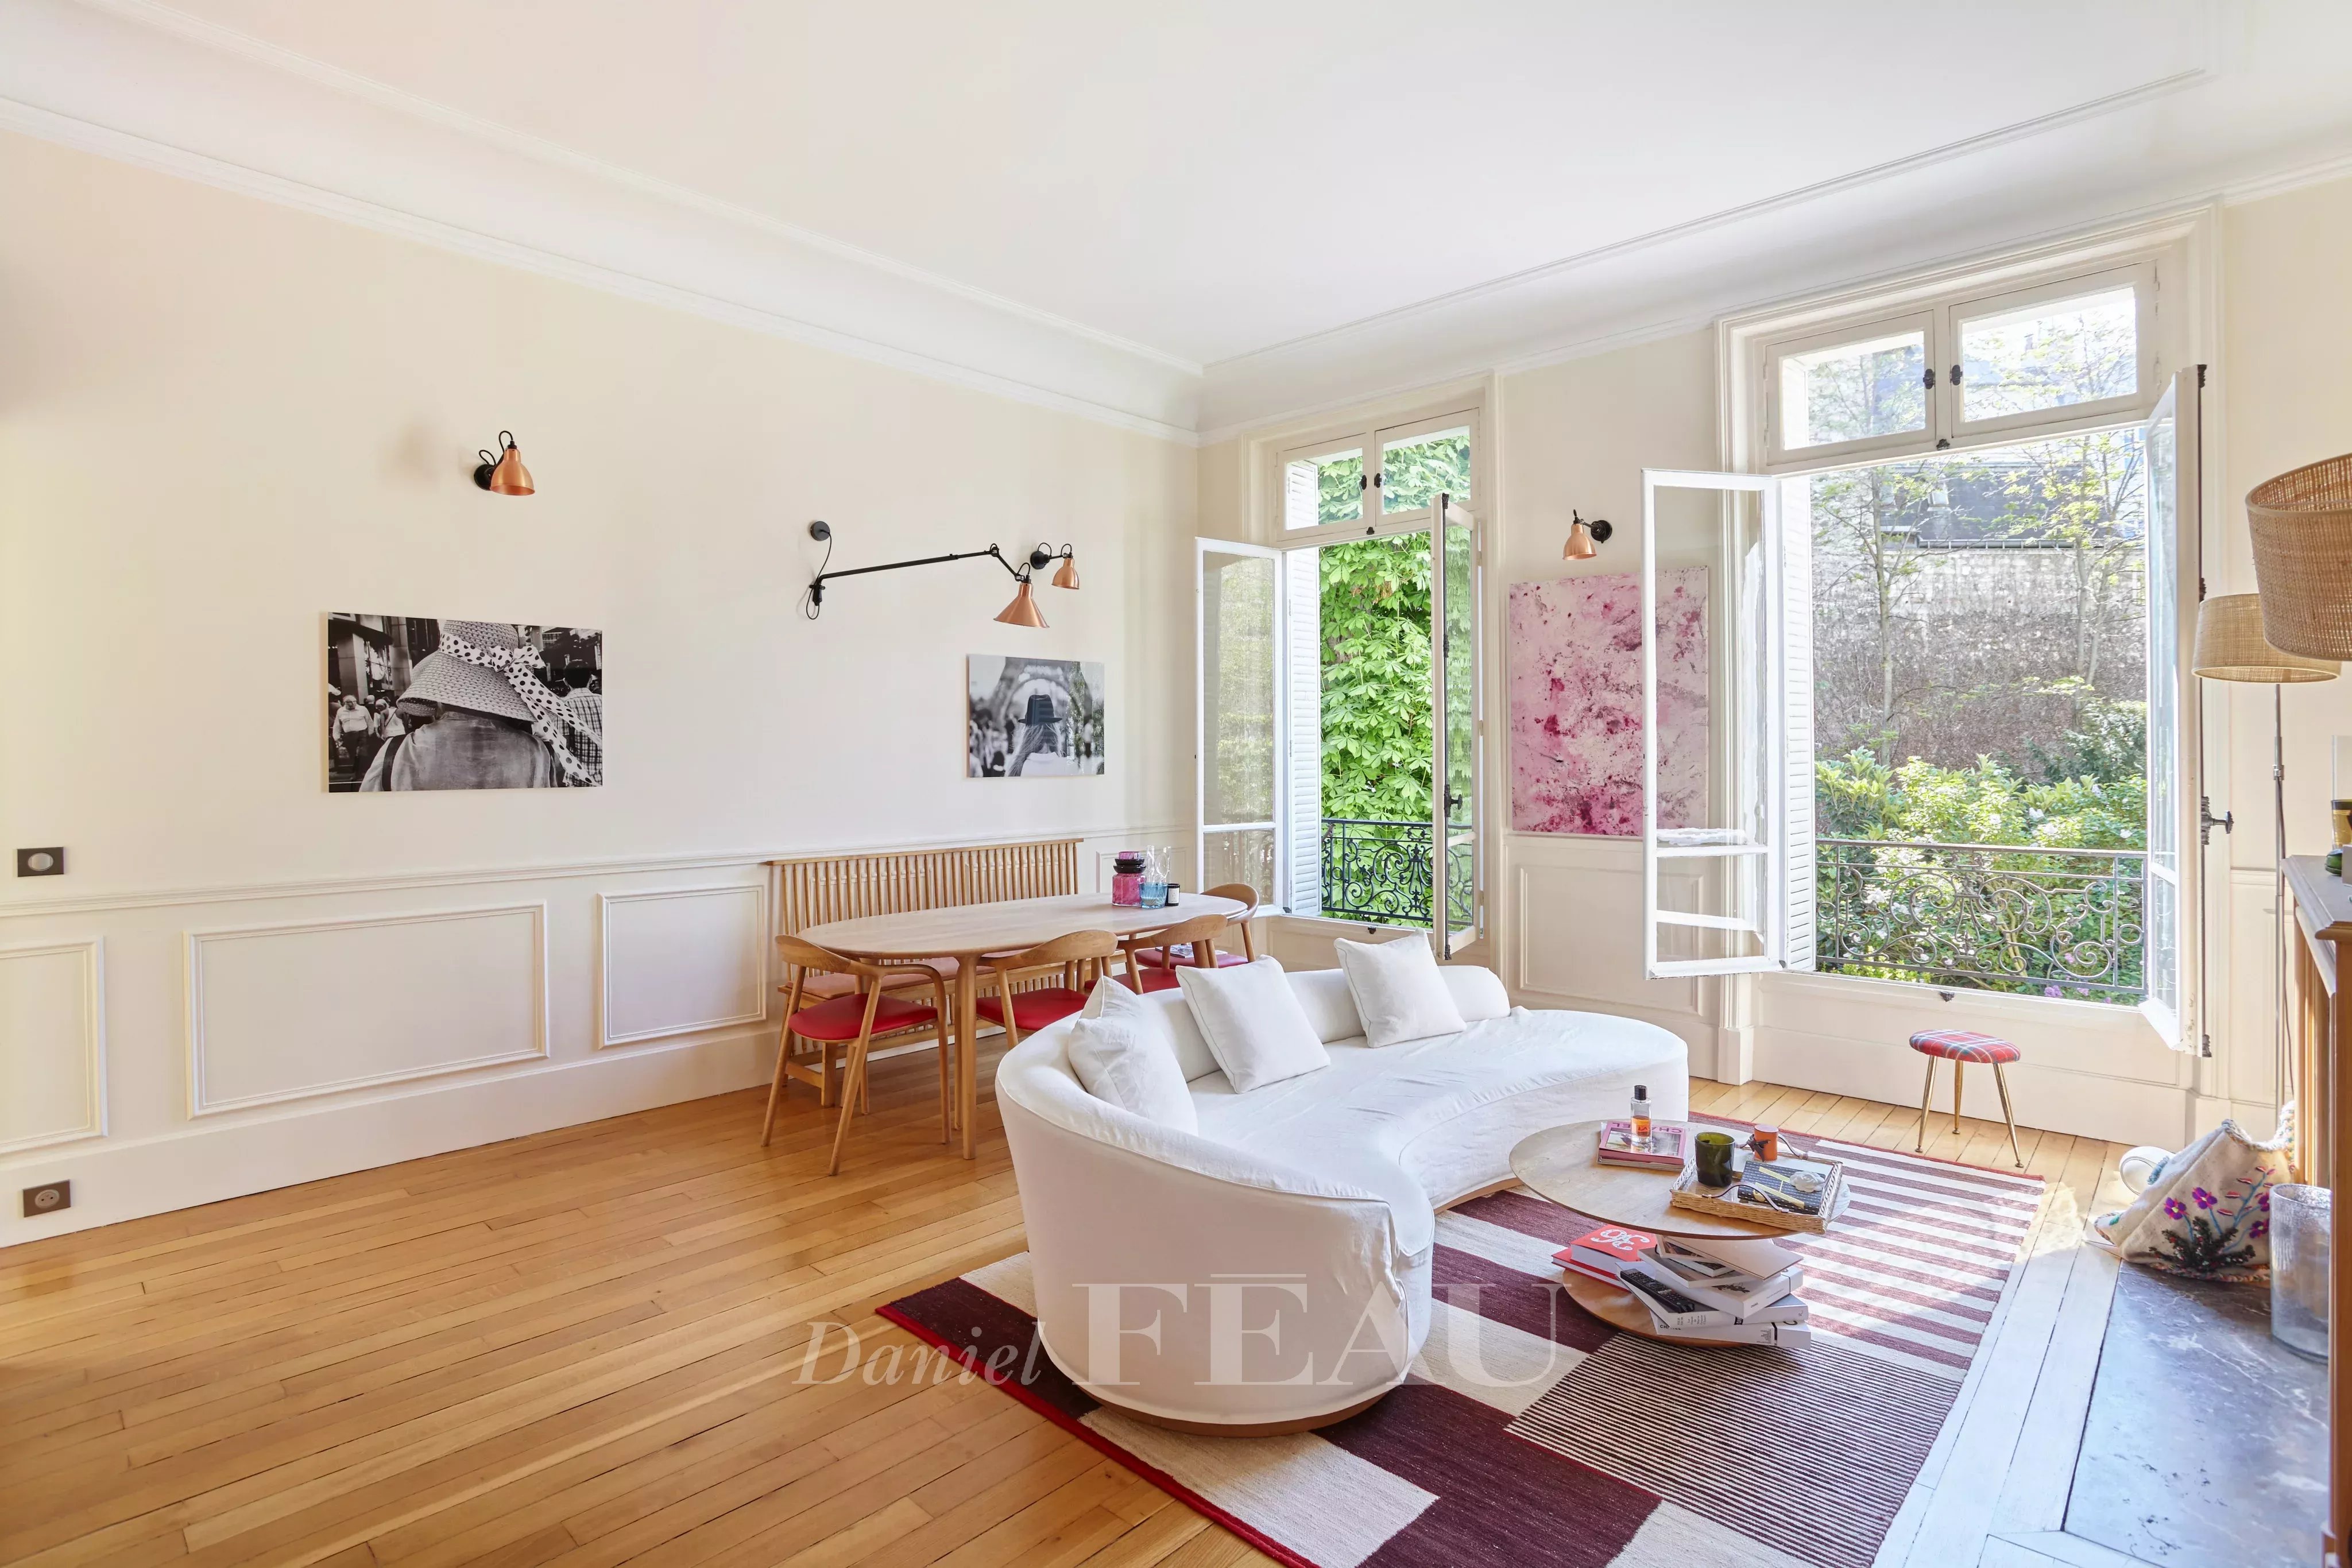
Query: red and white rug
[1534, 1434]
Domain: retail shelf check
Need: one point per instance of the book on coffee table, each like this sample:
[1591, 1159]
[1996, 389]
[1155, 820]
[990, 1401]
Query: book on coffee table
[1605, 1253]
[1667, 1148]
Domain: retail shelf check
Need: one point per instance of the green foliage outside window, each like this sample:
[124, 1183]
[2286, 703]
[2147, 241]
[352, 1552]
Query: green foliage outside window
[1375, 610]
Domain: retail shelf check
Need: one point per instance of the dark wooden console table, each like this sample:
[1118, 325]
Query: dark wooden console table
[2319, 1018]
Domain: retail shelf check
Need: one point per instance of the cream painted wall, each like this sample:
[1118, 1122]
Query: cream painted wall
[2285, 400]
[220, 419]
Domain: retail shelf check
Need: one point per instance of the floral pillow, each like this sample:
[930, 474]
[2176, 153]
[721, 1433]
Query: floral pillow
[2208, 1210]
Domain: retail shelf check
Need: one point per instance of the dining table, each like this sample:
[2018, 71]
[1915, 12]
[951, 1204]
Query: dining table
[969, 932]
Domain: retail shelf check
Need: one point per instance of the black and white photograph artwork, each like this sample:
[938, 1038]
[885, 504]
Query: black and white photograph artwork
[418, 703]
[1034, 719]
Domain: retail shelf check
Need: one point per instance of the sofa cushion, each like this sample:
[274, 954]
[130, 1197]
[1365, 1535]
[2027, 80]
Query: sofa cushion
[1160, 1014]
[1121, 1062]
[1477, 991]
[1399, 993]
[1324, 994]
[1255, 1026]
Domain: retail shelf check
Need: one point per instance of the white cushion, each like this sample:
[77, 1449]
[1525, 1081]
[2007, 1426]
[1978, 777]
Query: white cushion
[1120, 1062]
[1253, 1024]
[1399, 993]
[1477, 991]
[1324, 994]
[1160, 1014]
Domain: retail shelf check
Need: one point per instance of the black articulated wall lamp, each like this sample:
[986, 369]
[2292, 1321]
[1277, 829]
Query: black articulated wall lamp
[1022, 611]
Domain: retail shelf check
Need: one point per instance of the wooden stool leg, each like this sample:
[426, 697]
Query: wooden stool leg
[2000, 1082]
[1960, 1069]
[1920, 1143]
[776, 1089]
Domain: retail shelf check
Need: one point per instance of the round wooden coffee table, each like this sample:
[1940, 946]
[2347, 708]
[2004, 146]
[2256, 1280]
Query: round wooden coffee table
[1559, 1164]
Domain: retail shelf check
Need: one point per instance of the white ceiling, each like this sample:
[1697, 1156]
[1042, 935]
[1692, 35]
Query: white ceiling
[1251, 188]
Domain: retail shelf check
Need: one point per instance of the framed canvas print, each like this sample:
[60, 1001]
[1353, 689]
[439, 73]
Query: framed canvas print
[1032, 718]
[1575, 703]
[419, 703]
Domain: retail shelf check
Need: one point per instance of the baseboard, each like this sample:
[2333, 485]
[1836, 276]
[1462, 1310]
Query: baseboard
[207, 1163]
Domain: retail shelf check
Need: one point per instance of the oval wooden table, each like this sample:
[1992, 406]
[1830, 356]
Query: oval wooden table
[965, 931]
[1559, 1164]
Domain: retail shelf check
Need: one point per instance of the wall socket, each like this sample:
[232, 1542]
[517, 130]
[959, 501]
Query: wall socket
[47, 1198]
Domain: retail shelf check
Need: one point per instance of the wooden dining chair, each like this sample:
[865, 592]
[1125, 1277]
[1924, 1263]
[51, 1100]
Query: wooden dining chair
[1240, 893]
[851, 1024]
[1079, 957]
[1196, 938]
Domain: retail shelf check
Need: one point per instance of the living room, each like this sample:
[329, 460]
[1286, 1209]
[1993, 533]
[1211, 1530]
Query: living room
[1204, 646]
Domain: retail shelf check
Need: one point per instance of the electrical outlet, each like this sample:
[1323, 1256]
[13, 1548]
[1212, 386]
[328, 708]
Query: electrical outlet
[47, 1198]
[46, 862]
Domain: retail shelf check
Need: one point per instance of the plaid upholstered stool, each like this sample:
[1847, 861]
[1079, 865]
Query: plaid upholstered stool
[1959, 1047]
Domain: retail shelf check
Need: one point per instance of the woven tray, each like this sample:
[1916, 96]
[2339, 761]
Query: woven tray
[1686, 1194]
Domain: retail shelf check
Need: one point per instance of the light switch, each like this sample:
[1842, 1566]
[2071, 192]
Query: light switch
[49, 861]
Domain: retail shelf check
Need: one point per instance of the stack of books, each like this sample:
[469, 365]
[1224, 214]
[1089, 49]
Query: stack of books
[1705, 1290]
[1665, 1149]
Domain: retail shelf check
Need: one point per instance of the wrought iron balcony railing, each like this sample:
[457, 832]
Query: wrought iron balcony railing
[2002, 917]
[1377, 871]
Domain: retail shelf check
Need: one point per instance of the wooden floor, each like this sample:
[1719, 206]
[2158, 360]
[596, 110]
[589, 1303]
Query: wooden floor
[586, 1347]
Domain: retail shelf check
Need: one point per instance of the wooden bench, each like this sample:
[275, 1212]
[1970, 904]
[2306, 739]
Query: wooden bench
[817, 890]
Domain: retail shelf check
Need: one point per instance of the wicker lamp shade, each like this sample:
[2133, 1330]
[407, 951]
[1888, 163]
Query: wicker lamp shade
[2302, 525]
[2230, 646]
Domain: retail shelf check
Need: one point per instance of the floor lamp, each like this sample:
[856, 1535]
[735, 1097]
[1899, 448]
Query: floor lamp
[2231, 647]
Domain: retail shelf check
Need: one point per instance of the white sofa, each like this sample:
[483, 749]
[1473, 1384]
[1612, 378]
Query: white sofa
[1273, 1271]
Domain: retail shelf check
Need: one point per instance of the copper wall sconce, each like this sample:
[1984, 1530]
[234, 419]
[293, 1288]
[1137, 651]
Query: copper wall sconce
[1583, 536]
[501, 473]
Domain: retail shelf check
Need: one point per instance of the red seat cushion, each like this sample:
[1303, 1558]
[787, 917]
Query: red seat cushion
[1156, 957]
[1963, 1045]
[1032, 1009]
[841, 1018]
[1149, 979]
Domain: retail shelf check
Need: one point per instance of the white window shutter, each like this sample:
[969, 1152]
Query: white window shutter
[1793, 524]
[1302, 654]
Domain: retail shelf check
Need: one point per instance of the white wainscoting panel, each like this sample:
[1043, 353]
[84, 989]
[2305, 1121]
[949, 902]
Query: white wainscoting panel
[679, 959]
[1579, 935]
[52, 1044]
[295, 1011]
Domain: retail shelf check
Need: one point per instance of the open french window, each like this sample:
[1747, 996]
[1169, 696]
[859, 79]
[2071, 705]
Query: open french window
[2172, 887]
[1727, 734]
[1458, 910]
[1237, 749]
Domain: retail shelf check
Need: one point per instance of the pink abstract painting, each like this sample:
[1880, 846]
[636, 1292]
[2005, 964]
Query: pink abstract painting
[1576, 704]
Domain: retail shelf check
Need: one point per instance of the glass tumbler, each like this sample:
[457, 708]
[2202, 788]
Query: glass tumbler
[2300, 1221]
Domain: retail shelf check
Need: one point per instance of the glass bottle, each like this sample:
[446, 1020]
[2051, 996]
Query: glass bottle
[1641, 1115]
[1155, 879]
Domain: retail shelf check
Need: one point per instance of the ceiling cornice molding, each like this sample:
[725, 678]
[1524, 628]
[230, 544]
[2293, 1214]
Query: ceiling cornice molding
[227, 40]
[1693, 228]
[1686, 294]
[141, 83]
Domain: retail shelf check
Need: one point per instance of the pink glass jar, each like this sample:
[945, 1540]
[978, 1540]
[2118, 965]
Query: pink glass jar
[1126, 878]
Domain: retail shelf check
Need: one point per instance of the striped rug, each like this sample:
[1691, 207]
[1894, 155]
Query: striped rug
[1536, 1435]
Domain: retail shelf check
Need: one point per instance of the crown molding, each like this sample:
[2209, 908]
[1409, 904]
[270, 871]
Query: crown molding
[1672, 289]
[137, 82]
[140, 82]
